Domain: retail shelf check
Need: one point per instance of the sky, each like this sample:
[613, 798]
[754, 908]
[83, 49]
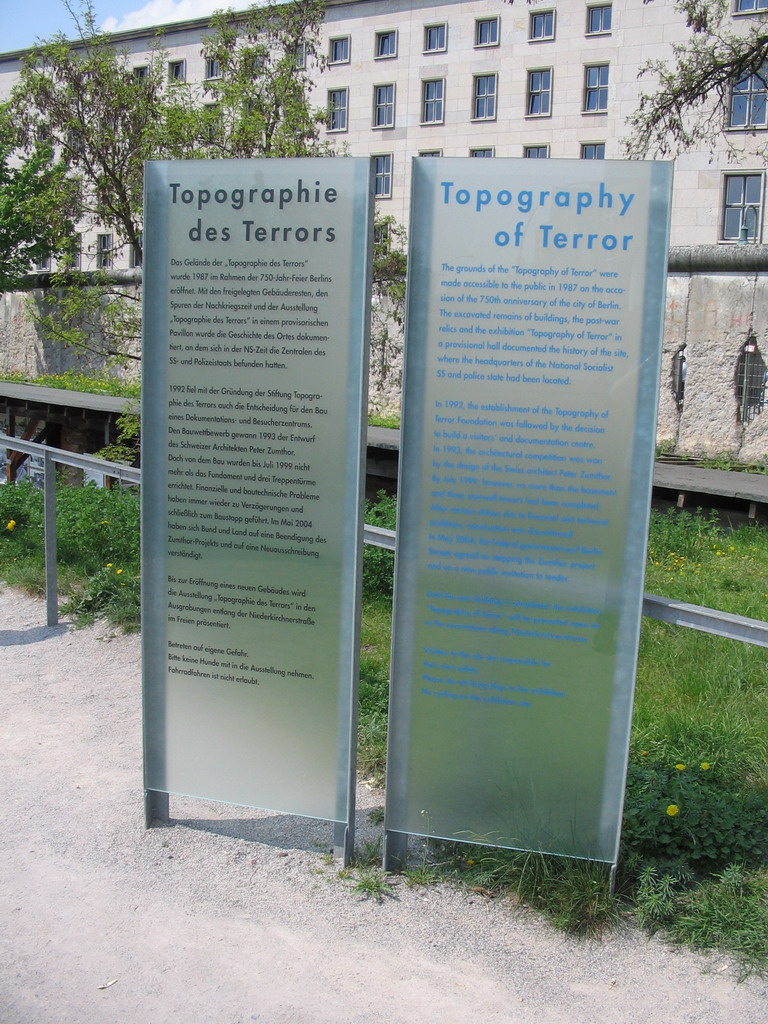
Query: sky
[26, 22]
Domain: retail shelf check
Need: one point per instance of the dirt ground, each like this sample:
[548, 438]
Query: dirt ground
[230, 916]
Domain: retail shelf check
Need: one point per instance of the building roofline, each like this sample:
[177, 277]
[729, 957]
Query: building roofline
[154, 30]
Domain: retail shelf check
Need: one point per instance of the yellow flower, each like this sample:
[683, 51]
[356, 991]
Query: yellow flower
[470, 862]
[11, 525]
[643, 753]
[680, 767]
[118, 571]
[705, 766]
[672, 810]
[104, 522]
[109, 565]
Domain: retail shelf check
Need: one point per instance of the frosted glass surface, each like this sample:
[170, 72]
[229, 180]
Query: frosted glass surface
[534, 331]
[254, 355]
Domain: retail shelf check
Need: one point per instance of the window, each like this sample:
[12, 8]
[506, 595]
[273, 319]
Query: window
[751, 373]
[301, 55]
[386, 44]
[44, 263]
[596, 89]
[679, 371]
[481, 153]
[177, 70]
[430, 152]
[536, 152]
[748, 101]
[593, 151]
[434, 38]
[742, 207]
[135, 251]
[337, 110]
[539, 93]
[141, 72]
[103, 252]
[748, 6]
[484, 98]
[432, 101]
[381, 234]
[599, 19]
[211, 123]
[383, 106]
[542, 25]
[338, 52]
[382, 176]
[487, 32]
[212, 68]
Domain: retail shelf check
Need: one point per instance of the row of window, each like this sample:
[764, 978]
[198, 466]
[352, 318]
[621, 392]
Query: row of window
[541, 27]
[484, 95]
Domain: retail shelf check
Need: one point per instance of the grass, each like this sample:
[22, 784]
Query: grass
[694, 858]
[71, 381]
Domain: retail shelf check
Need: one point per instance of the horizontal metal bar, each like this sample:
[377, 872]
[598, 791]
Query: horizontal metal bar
[692, 616]
[708, 620]
[378, 537]
[126, 474]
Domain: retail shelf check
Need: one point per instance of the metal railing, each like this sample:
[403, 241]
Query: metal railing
[692, 616]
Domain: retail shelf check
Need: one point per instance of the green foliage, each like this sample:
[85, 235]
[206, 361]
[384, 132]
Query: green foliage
[684, 814]
[729, 913]
[91, 313]
[685, 109]
[258, 105]
[36, 206]
[371, 883]
[97, 542]
[73, 381]
[378, 563]
[574, 894]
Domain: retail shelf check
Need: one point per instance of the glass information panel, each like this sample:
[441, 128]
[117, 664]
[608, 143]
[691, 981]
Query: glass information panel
[532, 358]
[256, 296]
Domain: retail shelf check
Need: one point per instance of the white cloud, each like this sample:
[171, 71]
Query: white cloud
[160, 12]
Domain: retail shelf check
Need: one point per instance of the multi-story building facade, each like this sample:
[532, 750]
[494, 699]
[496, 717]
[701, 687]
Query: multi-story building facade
[489, 78]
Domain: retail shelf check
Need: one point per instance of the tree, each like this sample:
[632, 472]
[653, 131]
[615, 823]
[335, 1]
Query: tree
[256, 99]
[685, 109]
[104, 121]
[35, 207]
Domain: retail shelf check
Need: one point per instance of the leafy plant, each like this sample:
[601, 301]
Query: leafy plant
[378, 563]
[682, 813]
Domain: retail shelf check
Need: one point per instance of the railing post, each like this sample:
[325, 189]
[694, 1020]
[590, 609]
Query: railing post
[49, 530]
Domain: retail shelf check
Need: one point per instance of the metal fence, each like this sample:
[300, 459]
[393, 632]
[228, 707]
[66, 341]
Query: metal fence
[707, 620]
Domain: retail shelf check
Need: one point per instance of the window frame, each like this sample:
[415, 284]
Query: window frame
[486, 99]
[379, 38]
[141, 72]
[482, 152]
[599, 90]
[212, 69]
[104, 253]
[594, 145]
[480, 23]
[536, 16]
[437, 26]
[333, 61]
[388, 106]
[531, 93]
[743, 206]
[749, 95]
[173, 67]
[602, 31]
[528, 152]
[384, 174]
[758, 6]
[430, 153]
[333, 109]
[434, 101]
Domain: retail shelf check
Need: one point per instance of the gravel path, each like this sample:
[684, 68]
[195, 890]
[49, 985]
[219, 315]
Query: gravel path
[231, 916]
